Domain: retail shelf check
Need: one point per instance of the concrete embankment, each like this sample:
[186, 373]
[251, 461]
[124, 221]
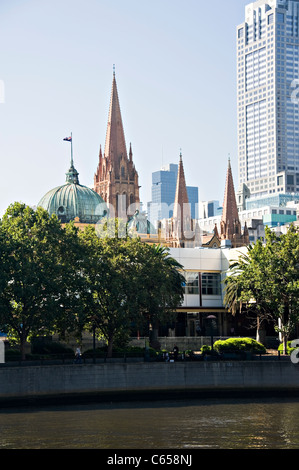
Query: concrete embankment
[102, 382]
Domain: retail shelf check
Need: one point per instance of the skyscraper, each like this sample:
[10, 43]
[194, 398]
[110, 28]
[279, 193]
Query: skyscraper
[267, 84]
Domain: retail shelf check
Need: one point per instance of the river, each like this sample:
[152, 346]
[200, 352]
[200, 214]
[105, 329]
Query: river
[270, 423]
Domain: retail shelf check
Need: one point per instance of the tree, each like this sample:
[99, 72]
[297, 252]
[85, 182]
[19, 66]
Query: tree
[283, 288]
[161, 291]
[267, 277]
[128, 280]
[243, 289]
[35, 290]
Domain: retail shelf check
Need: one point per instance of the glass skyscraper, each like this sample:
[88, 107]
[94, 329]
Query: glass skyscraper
[163, 194]
[268, 97]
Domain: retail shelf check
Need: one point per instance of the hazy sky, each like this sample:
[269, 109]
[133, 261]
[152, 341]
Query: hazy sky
[175, 64]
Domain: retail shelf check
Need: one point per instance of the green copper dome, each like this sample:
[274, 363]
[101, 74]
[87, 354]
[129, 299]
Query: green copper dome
[73, 200]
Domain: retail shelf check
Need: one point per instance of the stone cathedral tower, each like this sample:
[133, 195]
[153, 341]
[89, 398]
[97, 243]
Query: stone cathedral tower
[116, 179]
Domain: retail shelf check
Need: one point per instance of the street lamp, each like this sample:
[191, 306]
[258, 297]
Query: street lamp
[212, 318]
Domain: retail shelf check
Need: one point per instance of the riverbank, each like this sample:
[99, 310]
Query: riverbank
[130, 381]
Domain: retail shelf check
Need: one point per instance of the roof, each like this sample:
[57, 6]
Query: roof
[72, 200]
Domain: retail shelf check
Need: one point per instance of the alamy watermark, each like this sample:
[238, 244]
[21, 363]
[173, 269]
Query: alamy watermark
[295, 353]
[133, 219]
[295, 92]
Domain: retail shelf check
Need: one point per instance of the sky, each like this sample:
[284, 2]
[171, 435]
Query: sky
[175, 65]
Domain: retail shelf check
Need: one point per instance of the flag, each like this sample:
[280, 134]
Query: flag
[68, 139]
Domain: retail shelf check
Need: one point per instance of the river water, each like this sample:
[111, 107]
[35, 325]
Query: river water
[188, 424]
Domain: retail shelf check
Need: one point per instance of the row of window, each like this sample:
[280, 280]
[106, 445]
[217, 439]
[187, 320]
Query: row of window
[210, 283]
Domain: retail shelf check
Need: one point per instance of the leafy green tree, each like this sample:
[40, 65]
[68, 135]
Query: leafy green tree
[161, 290]
[128, 281]
[109, 306]
[243, 289]
[35, 290]
[267, 277]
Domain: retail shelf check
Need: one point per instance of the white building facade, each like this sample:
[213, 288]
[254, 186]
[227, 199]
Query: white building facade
[268, 97]
[204, 270]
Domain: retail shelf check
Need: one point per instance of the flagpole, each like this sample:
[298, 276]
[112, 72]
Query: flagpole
[72, 162]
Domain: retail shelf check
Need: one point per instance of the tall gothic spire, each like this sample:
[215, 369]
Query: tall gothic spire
[115, 146]
[116, 178]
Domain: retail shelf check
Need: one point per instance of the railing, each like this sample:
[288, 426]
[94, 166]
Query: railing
[86, 358]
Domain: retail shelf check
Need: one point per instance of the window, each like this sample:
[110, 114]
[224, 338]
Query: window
[192, 283]
[280, 17]
[290, 179]
[240, 33]
[271, 18]
[211, 284]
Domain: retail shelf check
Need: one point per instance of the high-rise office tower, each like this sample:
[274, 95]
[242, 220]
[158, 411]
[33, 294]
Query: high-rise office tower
[267, 85]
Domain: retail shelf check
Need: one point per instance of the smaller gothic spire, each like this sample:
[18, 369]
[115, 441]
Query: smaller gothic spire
[230, 223]
[130, 153]
[181, 210]
[230, 211]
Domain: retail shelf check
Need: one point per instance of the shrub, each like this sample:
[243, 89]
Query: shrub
[235, 345]
[12, 355]
[206, 349]
[50, 347]
[289, 348]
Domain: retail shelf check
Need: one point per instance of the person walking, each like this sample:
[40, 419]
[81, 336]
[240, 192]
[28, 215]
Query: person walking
[78, 356]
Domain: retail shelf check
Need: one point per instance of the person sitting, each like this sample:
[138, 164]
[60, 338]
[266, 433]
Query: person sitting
[175, 352]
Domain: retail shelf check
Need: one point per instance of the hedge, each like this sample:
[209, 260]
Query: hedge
[233, 345]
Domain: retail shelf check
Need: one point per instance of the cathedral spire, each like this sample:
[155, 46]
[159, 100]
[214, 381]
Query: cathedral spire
[230, 222]
[230, 210]
[115, 146]
[181, 210]
[116, 178]
[181, 195]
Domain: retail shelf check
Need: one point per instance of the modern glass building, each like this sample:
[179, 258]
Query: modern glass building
[277, 200]
[163, 194]
[268, 97]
